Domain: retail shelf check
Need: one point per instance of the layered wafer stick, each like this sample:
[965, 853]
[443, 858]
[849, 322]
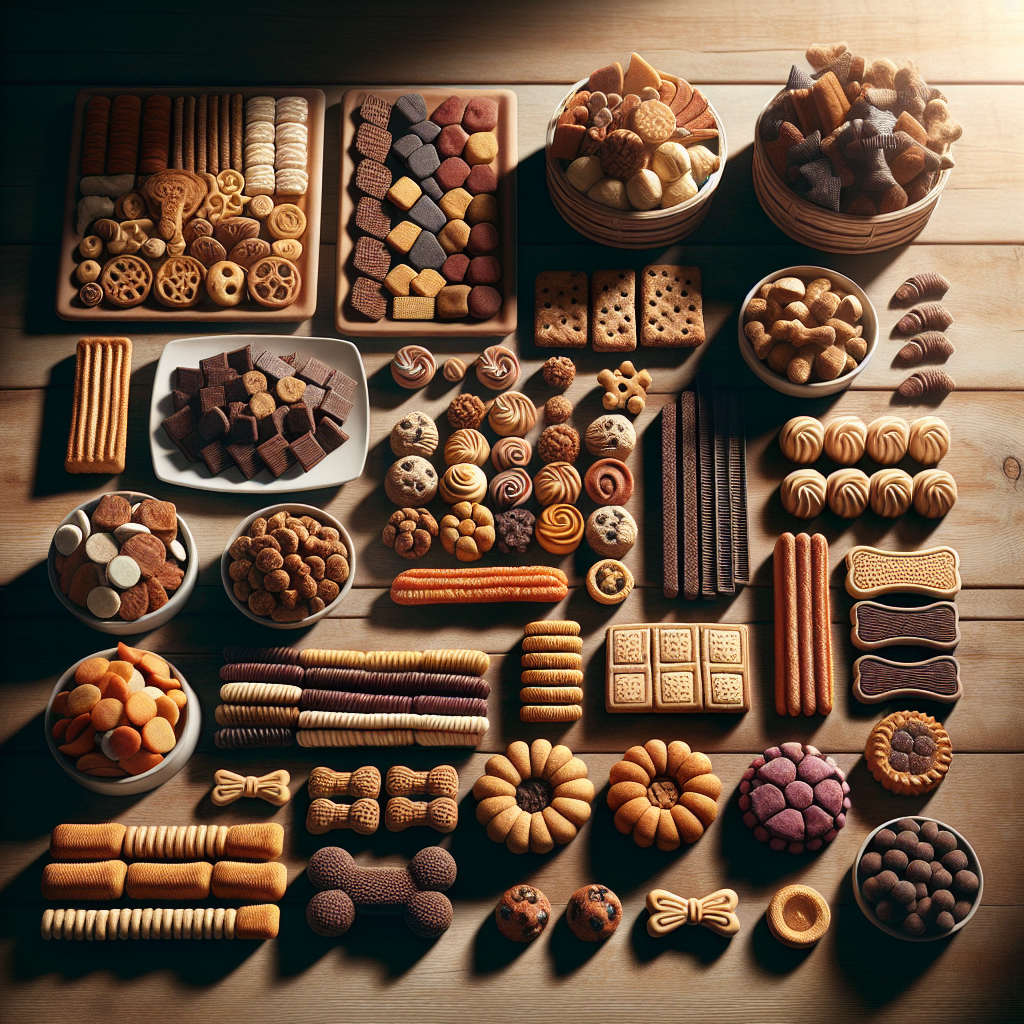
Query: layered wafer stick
[415, 684]
[738, 489]
[706, 484]
[364, 703]
[275, 694]
[201, 106]
[244, 737]
[688, 495]
[256, 841]
[213, 135]
[237, 130]
[225, 131]
[787, 639]
[255, 922]
[177, 144]
[824, 677]
[263, 655]
[669, 508]
[805, 625]
[256, 714]
[385, 738]
[457, 661]
[188, 135]
[726, 583]
[254, 672]
[479, 586]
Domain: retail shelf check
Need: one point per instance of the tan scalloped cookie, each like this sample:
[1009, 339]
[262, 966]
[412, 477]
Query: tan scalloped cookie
[908, 753]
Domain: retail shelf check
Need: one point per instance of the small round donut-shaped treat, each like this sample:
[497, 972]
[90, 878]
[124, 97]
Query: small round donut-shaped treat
[274, 282]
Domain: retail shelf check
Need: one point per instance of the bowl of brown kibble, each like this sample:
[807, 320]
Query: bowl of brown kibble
[288, 565]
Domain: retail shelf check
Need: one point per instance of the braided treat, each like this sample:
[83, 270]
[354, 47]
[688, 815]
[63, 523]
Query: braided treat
[187, 881]
[260, 736]
[256, 841]
[931, 345]
[479, 586]
[255, 714]
[932, 316]
[353, 720]
[280, 694]
[256, 922]
[927, 382]
[551, 694]
[235, 880]
[339, 700]
[415, 684]
[263, 655]
[440, 781]
[87, 842]
[102, 880]
[362, 817]
[253, 672]
[363, 782]
[440, 814]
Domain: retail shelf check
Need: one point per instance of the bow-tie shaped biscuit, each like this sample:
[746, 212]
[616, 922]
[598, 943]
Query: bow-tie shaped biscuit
[669, 911]
[272, 787]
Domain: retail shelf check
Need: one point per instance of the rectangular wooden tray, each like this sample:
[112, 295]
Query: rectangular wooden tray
[68, 308]
[346, 319]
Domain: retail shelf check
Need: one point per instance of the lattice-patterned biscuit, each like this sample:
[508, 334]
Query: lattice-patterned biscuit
[671, 311]
[677, 685]
[725, 668]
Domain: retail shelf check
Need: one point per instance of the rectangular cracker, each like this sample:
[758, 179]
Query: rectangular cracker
[560, 309]
[412, 307]
[613, 310]
[672, 311]
[676, 655]
[628, 669]
[99, 412]
[725, 667]
[669, 502]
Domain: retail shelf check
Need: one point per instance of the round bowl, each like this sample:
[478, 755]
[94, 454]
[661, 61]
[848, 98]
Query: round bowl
[816, 389]
[973, 863]
[326, 519]
[628, 229]
[118, 627]
[188, 738]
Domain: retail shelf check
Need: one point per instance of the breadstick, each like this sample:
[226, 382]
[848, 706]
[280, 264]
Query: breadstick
[805, 623]
[177, 153]
[188, 135]
[256, 922]
[787, 666]
[479, 586]
[225, 131]
[99, 880]
[824, 678]
[235, 880]
[188, 881]
[237, 127]
[212, 135]
[201, 134]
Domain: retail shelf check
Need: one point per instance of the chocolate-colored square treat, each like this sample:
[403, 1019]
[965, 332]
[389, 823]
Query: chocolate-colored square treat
[373, 178]
[235, 390]
[373, 142]
[216, 457]
[307, 451]
[214, 425]
[368, 299]
[299, 420]
[213, 364]
[241, 360]
[336, 406]
[371, 258]
[218, 375]
[329, 435]
[191, 445]
[188, 379]
[376, 110]
[371, 218]
[182, 401]
[180, 424]
[412, 106]
[272, 424]
[312, 395]
[313, 371]
[342, 383]
[246, 459]
[243, 429]
[273, 368]
[210, 398]
[277, 455]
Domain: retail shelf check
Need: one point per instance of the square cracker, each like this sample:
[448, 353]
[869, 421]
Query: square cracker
[560, 309]
[613, 310]
[672, 313]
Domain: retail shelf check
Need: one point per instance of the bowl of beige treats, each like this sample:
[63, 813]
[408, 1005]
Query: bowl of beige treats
[287, 565]
[807, 331]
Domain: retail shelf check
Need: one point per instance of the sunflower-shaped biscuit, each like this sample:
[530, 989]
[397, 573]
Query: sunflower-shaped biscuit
[664, 795]
[532, 797]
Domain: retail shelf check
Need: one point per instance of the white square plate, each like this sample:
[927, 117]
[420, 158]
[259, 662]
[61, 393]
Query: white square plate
[341, 465]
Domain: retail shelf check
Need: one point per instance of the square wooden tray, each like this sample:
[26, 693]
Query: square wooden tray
[68, 308]
[346, 319]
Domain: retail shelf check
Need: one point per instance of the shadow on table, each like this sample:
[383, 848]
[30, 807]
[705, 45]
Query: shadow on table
[492, 951]
[699, 942]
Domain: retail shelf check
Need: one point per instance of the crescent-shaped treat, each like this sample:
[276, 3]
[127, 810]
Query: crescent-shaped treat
[803, 493]
[847, 492]
[466, 445]
[557, 483]
[844, 441]
[462, 482]
[934, 493]
[890, 492]
[511, 451]
[559, 529]
[510, 488]
[497, 367]
[801, 439]
[887, 439]
[512, 414]
[929, 440]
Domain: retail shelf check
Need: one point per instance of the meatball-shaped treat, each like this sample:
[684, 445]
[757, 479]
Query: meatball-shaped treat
[559, 443]
[558, 371]
[611, 437]
[411, 482]
[466, 410]
[522, 913]
[414, 434]
[514, 530]
[593, 913]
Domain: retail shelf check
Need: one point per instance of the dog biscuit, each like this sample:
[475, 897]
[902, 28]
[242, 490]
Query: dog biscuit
[99, 418]
[560, 310]
[613, 310]
[672, 312]
[878, 625]
[253, 922]
[932, 572]
[877, 679]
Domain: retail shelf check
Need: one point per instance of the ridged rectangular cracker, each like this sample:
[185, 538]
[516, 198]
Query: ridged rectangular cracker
[613, 310]
[672, 313]
[99, 413]
[560, 309]
[725, 667]
[933, 572]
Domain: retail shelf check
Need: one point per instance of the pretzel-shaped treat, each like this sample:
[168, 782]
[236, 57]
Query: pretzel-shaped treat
[363, 782]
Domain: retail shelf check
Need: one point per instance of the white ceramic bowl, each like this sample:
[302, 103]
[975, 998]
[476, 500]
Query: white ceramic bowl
[118, 627]
[191, 723]
[299, 510]
[973, 864]
[823, 387]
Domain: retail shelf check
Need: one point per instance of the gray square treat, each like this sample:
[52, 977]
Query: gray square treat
[426, 252]
[426, 130]
[427, 214]
[404, 146]
[412, 106]
[423, 162]
[431, 188]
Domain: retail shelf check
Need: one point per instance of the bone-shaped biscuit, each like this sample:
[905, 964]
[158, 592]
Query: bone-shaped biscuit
[440, 781]
[441, 814]
[362, 783]
[669, 912]
[324, 815]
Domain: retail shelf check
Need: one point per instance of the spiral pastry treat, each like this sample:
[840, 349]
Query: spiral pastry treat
[609, 482]
[801, 439]
[454, 369]
[414, 434]
[803, 493]
[513, 414]
[559, 443]
[887, 439]
[929, 440]
[510, 488]
[934, 493]
[890, 492]
[846, 492]
[463, 482]
[413, 367]
[510, 452]
[559, 529]
[466, 445]
[844, 439]
[611, 436]
[557, 483]
[497, 368]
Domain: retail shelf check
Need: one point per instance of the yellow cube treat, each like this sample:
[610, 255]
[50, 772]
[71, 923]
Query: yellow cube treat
[454, 236]
[403, 235]
[399, 279]
[483, 209]
[412, 307]
[428, 282]
[404, 193]
[481, 148]
[454, 204]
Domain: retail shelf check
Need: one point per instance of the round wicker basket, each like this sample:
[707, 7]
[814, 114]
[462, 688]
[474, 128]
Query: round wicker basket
[628, 229]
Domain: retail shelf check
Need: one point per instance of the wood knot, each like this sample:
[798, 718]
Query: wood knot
[1011, 467]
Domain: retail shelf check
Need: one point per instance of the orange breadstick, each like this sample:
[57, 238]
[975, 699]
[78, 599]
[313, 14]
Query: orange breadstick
[787, 641]
[824, 679]
[805, 623]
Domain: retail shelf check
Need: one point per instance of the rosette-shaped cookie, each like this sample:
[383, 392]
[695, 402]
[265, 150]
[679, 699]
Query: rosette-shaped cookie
[934, 493]
[414, 434]
[908, 752]
[413, 367]
[611, 436]
[559, 529]
[559, 443]
[467, 532]
[513, 414]
[845, 438]
[463, 482]
[511, 487]
[929, 440]
[890, 492]
[609, 481]
[557, 483]
[794, 798]
[409, 531]
[497, 368]
[515, 530]
[466, 445]
[611, 531]
[663, 795]
[532, 797]
[803, 493]
[887, 439]
[511, 451]
[558, 371]
[846, 491]
[801, 439]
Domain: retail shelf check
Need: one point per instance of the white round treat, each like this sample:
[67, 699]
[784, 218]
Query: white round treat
[123, 572]
[291, 108]
[259, 131]
[153, 691]
[67, 538]
[259, 108]
[122, 533]
[81, 520]
[137, 682]
[103, 602]
[290, 154]
[101, 548]
[105, 749]
[177, 550]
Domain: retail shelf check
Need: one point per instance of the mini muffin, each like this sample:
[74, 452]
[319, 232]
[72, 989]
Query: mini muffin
[522, 913]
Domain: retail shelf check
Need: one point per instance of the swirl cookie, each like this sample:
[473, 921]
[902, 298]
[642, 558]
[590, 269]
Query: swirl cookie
[887, 439]
[557, 483]
[511, 451]
[611, 531]
[463, 482]
[611, 436]
[466, 445]
[513, 414]
[510, 488]
[497, 368]
[928, 441]
[934, 493]
[559, 529]
[414, 434]
[801, 439]
[411, 482]
[844, 441]
[609, 481]
[413, 367]
[890, 492]
[847, 492]
[803, 493]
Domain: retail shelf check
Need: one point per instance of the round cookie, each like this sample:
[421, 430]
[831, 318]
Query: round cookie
[558, 371]
[929, 439]
[510, 452]
[935, 493]
[559, 443]
[463, 482]
[908, 752]
[798, 916]
[609, 481]
[611, 436]
[847, 492]
[887, 439]
[593, 913]
[609, 581]
[844, 441]
[890, 491]
[466, 445]
[411, 482]
[803, 493]
[801, 439]
[557, 483]
[413, 367]
[522, 913]
[414, 434]
[611, 531]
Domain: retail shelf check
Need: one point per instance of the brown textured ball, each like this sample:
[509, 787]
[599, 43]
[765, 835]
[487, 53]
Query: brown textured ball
[559, 444]
[515, 530]
[558, 371]
[557, 409]
[466, 410]
[522, 913]
[593, 913]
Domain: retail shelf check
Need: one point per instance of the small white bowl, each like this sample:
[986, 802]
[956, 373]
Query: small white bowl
[188, 738]
[961, 844]
[118, 627]
[817, 389]
[299, 510]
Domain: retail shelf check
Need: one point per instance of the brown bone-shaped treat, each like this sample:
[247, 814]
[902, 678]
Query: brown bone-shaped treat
[172, 196]
[441, 814]
[323, 815]
[363, 782]
[878, 625]
[799, 335]
[932, 316]
[877, 679]
[440, 781]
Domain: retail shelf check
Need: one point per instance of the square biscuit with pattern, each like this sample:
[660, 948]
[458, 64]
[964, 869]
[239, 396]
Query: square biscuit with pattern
[629, 669]
[560, 309]
[613, 310]
[671, 311]
[725, 668]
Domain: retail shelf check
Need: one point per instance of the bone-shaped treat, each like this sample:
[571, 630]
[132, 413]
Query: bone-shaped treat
[362, 817]
[255, 922]
[441, 814]
[255, 841]
[440, 781]
[363, 782]
[416, 891]
[229, 787]
[669, 912]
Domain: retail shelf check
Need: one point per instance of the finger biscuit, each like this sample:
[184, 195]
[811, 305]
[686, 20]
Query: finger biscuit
[177, 126]
[672, 312]
[213, 135]
[237, 130]
[551, 677]
[281, 694]
[255, 922]
[805, 625]
[570, 661]
[188, 881]
[552, 645]
[552, 627]
[333, 659]
[437, 684]
[466, 662]
[560, 309]
[256, 714]
[482, 586]
[550, 713]
[821, 615]
[253, 736]
[200, 135]
[236, 880]
[392, 661]
[390, 720]
[263, 655]
[99, 880]
[551, 694]
[357, 737]
[123, 140]
[225, 131]
[787, 641]
[372, 703]
[253, 672]
[98, 437]
[156, 135]
[613, 310]
[94, 135]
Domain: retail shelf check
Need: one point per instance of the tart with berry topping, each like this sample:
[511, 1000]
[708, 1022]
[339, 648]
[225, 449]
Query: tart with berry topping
[908, 752]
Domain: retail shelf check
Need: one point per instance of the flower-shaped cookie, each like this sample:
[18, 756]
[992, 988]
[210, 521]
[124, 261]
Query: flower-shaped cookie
[467, 531]
[908, 752]
[409, 532]
[532, 797]
[664, 795]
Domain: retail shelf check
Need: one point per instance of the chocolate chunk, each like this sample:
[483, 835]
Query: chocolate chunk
[273, 424]
[241, 360]
[307, 451]
[371, 218]
[426, 213]
[188, 379]
[373, 178]
[336, 406]
[246, 459]
[277, 455]
[299, 420]
[217, 375]
[376, 110]
[213, 364]
[412, 106]
[329, 435]
[371, 257]
[273, 368]
[426, 252]
[191, 445]
[426, 131]
[342, 383]
[180, 424]
[243, 429]
[367, 298]
[455, 268]
[313, 371]
[423, 162]
[404, 146]
[484, 302]
[235, 390]
[180, 400]
[214, 425]
[312, 396]
[430, 187]
[216, 457]
[373, 142]
[210, 398]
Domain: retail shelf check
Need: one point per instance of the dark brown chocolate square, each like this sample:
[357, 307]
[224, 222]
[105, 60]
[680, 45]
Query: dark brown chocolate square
[300, 419]
[273, 368]
[210, 398]
[188, 379]
[277, 455]
[241, 360]
[329, 435]
[307, 451]
[333, 404]
[216, 457]
[313, 371]
[180, 424]
[246, 459]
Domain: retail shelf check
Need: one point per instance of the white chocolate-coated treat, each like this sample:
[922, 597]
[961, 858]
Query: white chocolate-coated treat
[177, 550]
[934, 493]
[887, 439]
[414, 434]
[845, 437]
[82, 521]
[801, 439]
[511, 451]
[611, 437]
[291, 132]
[291, 108]
[259, 108]
[67, 538]
[123, 572]
[890, 492]
[463, 482]
[512, 414]
[291, 181]
[929, 440]
[847, 492]
[259, 131]
[123, 532]
[803, 493]
[557, 483]
[466, 445]
[104, 603]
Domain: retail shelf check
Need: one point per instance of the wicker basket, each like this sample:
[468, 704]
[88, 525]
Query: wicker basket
[835, 232]
[628, 229]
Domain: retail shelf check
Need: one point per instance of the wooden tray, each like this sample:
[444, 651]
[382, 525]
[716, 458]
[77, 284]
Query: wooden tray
[68, 307]
[346, 319]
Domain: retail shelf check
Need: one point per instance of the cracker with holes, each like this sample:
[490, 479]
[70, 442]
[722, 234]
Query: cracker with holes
[671, 314]
[560, 311]
[613, 310]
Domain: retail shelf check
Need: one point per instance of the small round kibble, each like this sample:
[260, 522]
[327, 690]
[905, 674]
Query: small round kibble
[557, 409]
[925, 852]
[929, 830]
[593, 913]
[895, 860]
[887, 880]
[558, 371]
[965, 883]
[954, 861]
[913, 925]
[906, 841]
[158, 735]
[523, 912]
[941, 879]
[945, 921]
[884, 840]
[870, 864]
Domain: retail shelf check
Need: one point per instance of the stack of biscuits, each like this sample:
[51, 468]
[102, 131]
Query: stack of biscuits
[276, 145]
[552, 675]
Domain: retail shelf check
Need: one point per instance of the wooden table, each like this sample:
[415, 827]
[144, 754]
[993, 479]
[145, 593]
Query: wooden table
[738, 52]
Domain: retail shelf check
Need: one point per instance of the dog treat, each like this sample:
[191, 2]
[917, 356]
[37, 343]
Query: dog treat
[908, 753]
[803, 493]
[931, 345]
[933, 572]
[613, 310]
[669, 500]
[669, 912]
[363, 783]
[560, 318]
[626, 388]
[798, 916]
[440, 814]
[927, 382]
[252, 922]
[500, 583]
[671, 299]
[934, 493]
[877, 625]
[229, 787]
[442, 781]
[890, 492]
[261, 841]
[416, 891]
[497, 367]
[877, 679]
[802, 439]
[794, 798]
[522, 913]
[593, 913]
[887, 439]
[932, 316]
[927, 285]
[362, 816]
[845, 439]
[413, 367]
[99, 417]
[99, 880]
